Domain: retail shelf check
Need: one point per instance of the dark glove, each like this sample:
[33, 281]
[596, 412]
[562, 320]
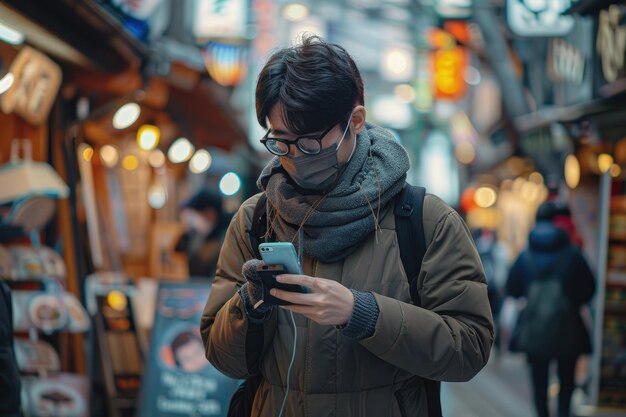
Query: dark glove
[252, 292]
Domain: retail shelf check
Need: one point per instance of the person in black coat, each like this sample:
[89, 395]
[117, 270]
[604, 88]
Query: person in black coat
[551, 256]
[9, 372]
[206, 223]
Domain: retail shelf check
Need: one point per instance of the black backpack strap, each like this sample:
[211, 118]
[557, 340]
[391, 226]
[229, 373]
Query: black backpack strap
[243, 398]
[409, 216]
[259, 225]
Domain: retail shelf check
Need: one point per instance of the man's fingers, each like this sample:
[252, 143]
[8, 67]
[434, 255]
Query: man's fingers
[293, 297]
[303, 280]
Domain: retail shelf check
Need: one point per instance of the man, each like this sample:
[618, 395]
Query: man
[205, 224]
[362, 348]
[556, 280]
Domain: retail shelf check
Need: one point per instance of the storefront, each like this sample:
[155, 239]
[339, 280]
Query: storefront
[111, 193]
[587, 70]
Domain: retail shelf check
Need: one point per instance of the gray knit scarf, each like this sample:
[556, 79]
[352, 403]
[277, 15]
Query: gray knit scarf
[374, 175]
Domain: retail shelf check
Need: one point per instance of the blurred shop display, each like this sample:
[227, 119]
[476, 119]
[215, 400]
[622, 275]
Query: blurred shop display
[124, 119]
[42, 310]
[29, 190]
[611, 377]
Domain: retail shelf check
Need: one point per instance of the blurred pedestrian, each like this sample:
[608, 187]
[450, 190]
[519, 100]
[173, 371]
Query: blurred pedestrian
[355, 344]
[494, 258]
[205, 226]
[556, 281]
[9, 372]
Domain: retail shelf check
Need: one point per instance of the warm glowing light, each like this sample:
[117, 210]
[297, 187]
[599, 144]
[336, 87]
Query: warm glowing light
[148, 137]
[6, 82]
[604, 162]
[295, 12]
[530, 191]
[572, 171]
[440, 39]
[397, 64]
[126, 115]
[465, 152]
[225, 63]
[449, 70]
[109, 156]
[230, 183]
[200, 162]
[117, 300]
[404, 93]
[485, 197]
[156, 158]
[87, 153]
[130, 162]
[616, 170]
[180, 151]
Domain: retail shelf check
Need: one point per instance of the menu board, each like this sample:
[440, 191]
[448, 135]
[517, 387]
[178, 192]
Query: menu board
[178, 380]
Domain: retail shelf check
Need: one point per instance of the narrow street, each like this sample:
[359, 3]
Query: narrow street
[499, 390]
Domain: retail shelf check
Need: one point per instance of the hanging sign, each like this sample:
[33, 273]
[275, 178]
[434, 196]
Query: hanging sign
[449, 69]
[225, 63]
[36, 82]
[611, 42]
[539, 18]
[565, 62]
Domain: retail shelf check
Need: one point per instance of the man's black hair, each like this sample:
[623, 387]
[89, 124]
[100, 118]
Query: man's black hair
[317, 83]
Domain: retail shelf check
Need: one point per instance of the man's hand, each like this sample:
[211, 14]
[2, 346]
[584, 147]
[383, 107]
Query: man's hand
[328, 303]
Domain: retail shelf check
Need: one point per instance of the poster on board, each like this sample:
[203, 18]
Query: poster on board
[178, 380]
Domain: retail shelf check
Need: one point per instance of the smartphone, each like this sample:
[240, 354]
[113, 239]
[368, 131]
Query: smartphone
[268, 275]
[281, 253]
[279, 256]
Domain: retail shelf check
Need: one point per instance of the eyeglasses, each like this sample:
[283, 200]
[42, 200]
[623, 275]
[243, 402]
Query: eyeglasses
[310, 145]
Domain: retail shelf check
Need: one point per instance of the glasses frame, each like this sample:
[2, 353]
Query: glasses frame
[296, 142]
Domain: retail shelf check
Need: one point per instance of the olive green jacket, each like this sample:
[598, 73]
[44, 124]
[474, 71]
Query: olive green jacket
[448, 339]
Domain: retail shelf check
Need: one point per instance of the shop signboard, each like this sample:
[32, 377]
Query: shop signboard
[566, 63]
[453, 9]
[36, 82]
[219, 19]
[449, 69]
[539, 18]
[610, 46]
[570, 65]
[178, 380]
